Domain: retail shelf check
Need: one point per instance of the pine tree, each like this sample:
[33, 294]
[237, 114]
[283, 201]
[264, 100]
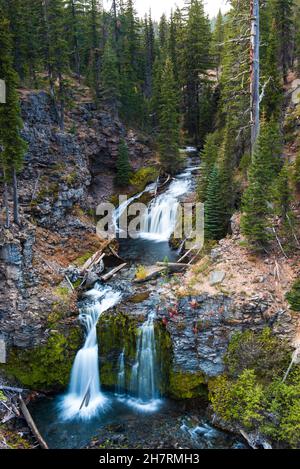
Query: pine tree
[283, 11]
[150, 55]
[265, 167]
[208, 158]
[282, 194]
[273, 94]
[175, 43]
[169, 121]
[110, 77]
[215, 226]
[123, 165]
[217, 42]
[293, 296]
[13, 147]
[55, 53]
[93, 12]
[74, 14]
[163, 29]
[234, 80]
[196, 61]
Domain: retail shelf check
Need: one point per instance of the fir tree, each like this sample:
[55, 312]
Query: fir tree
[163, 34]
[169, 121]
[196, 61]
[150, 55]
[175, 43]
[13, 147]
[263, 170]
[215, 226]
[283, 11]
[293, 296]
[110, 77]
[273, 92]
[217, 42]
[208, 158]
[282, 194]
[55, 53]
[93, 12]
[123, 165]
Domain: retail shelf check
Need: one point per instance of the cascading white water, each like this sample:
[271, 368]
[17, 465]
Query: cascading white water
[159, 221]
[84, 397]
[124, 205]
[143, 382]
[121, 374]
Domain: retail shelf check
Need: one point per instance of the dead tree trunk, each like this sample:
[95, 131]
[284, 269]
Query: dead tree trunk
[254, 71]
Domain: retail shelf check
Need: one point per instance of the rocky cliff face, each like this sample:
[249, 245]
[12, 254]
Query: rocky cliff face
[66, 174]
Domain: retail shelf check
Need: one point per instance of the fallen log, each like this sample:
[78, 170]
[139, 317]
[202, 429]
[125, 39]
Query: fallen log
[110, 274]
[31, 423]
[255, 441]
[70, 283]
[12, 389]
[174, 266]
[185, 255]
[94, 260]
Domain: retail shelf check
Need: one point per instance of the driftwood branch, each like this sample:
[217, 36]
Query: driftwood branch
[31, 423]
[12, 389]
[279, 243]
[110, 274]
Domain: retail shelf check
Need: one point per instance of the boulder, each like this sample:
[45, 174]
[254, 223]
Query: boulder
[216, 277]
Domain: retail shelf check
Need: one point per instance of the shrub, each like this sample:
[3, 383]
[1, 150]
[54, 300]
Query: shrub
[262, 352]
[293, 296]
[141, 273]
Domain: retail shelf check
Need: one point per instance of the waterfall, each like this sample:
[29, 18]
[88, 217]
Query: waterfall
[143, 382]
[121, 374]
[159, 221]
[84, 398]
[123, 206]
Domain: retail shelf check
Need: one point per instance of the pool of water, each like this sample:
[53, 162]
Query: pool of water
[125, 423]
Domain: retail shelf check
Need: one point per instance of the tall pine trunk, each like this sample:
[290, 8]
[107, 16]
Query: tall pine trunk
[49, 65]
[16, 198]
[255, 70]
[76, 45]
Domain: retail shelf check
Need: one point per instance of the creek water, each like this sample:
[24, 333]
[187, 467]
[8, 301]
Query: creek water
[71, 420]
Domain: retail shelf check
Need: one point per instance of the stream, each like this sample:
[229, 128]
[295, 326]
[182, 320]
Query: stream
[141, 417]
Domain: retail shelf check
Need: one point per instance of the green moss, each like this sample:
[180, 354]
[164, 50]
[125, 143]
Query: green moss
[139, 297]
[14, 439]
[144, 176]
[185, 385]
[62, 292]
[46, 367]
[80, 261]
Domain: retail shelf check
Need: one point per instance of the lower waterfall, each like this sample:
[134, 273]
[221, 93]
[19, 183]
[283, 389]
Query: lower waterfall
[84, 397]
[144, 375]
[121, 374]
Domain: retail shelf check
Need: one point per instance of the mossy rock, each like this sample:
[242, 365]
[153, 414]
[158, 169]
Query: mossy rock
[46, 367]
[184, 385]
[143, 177]
[139, 297]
